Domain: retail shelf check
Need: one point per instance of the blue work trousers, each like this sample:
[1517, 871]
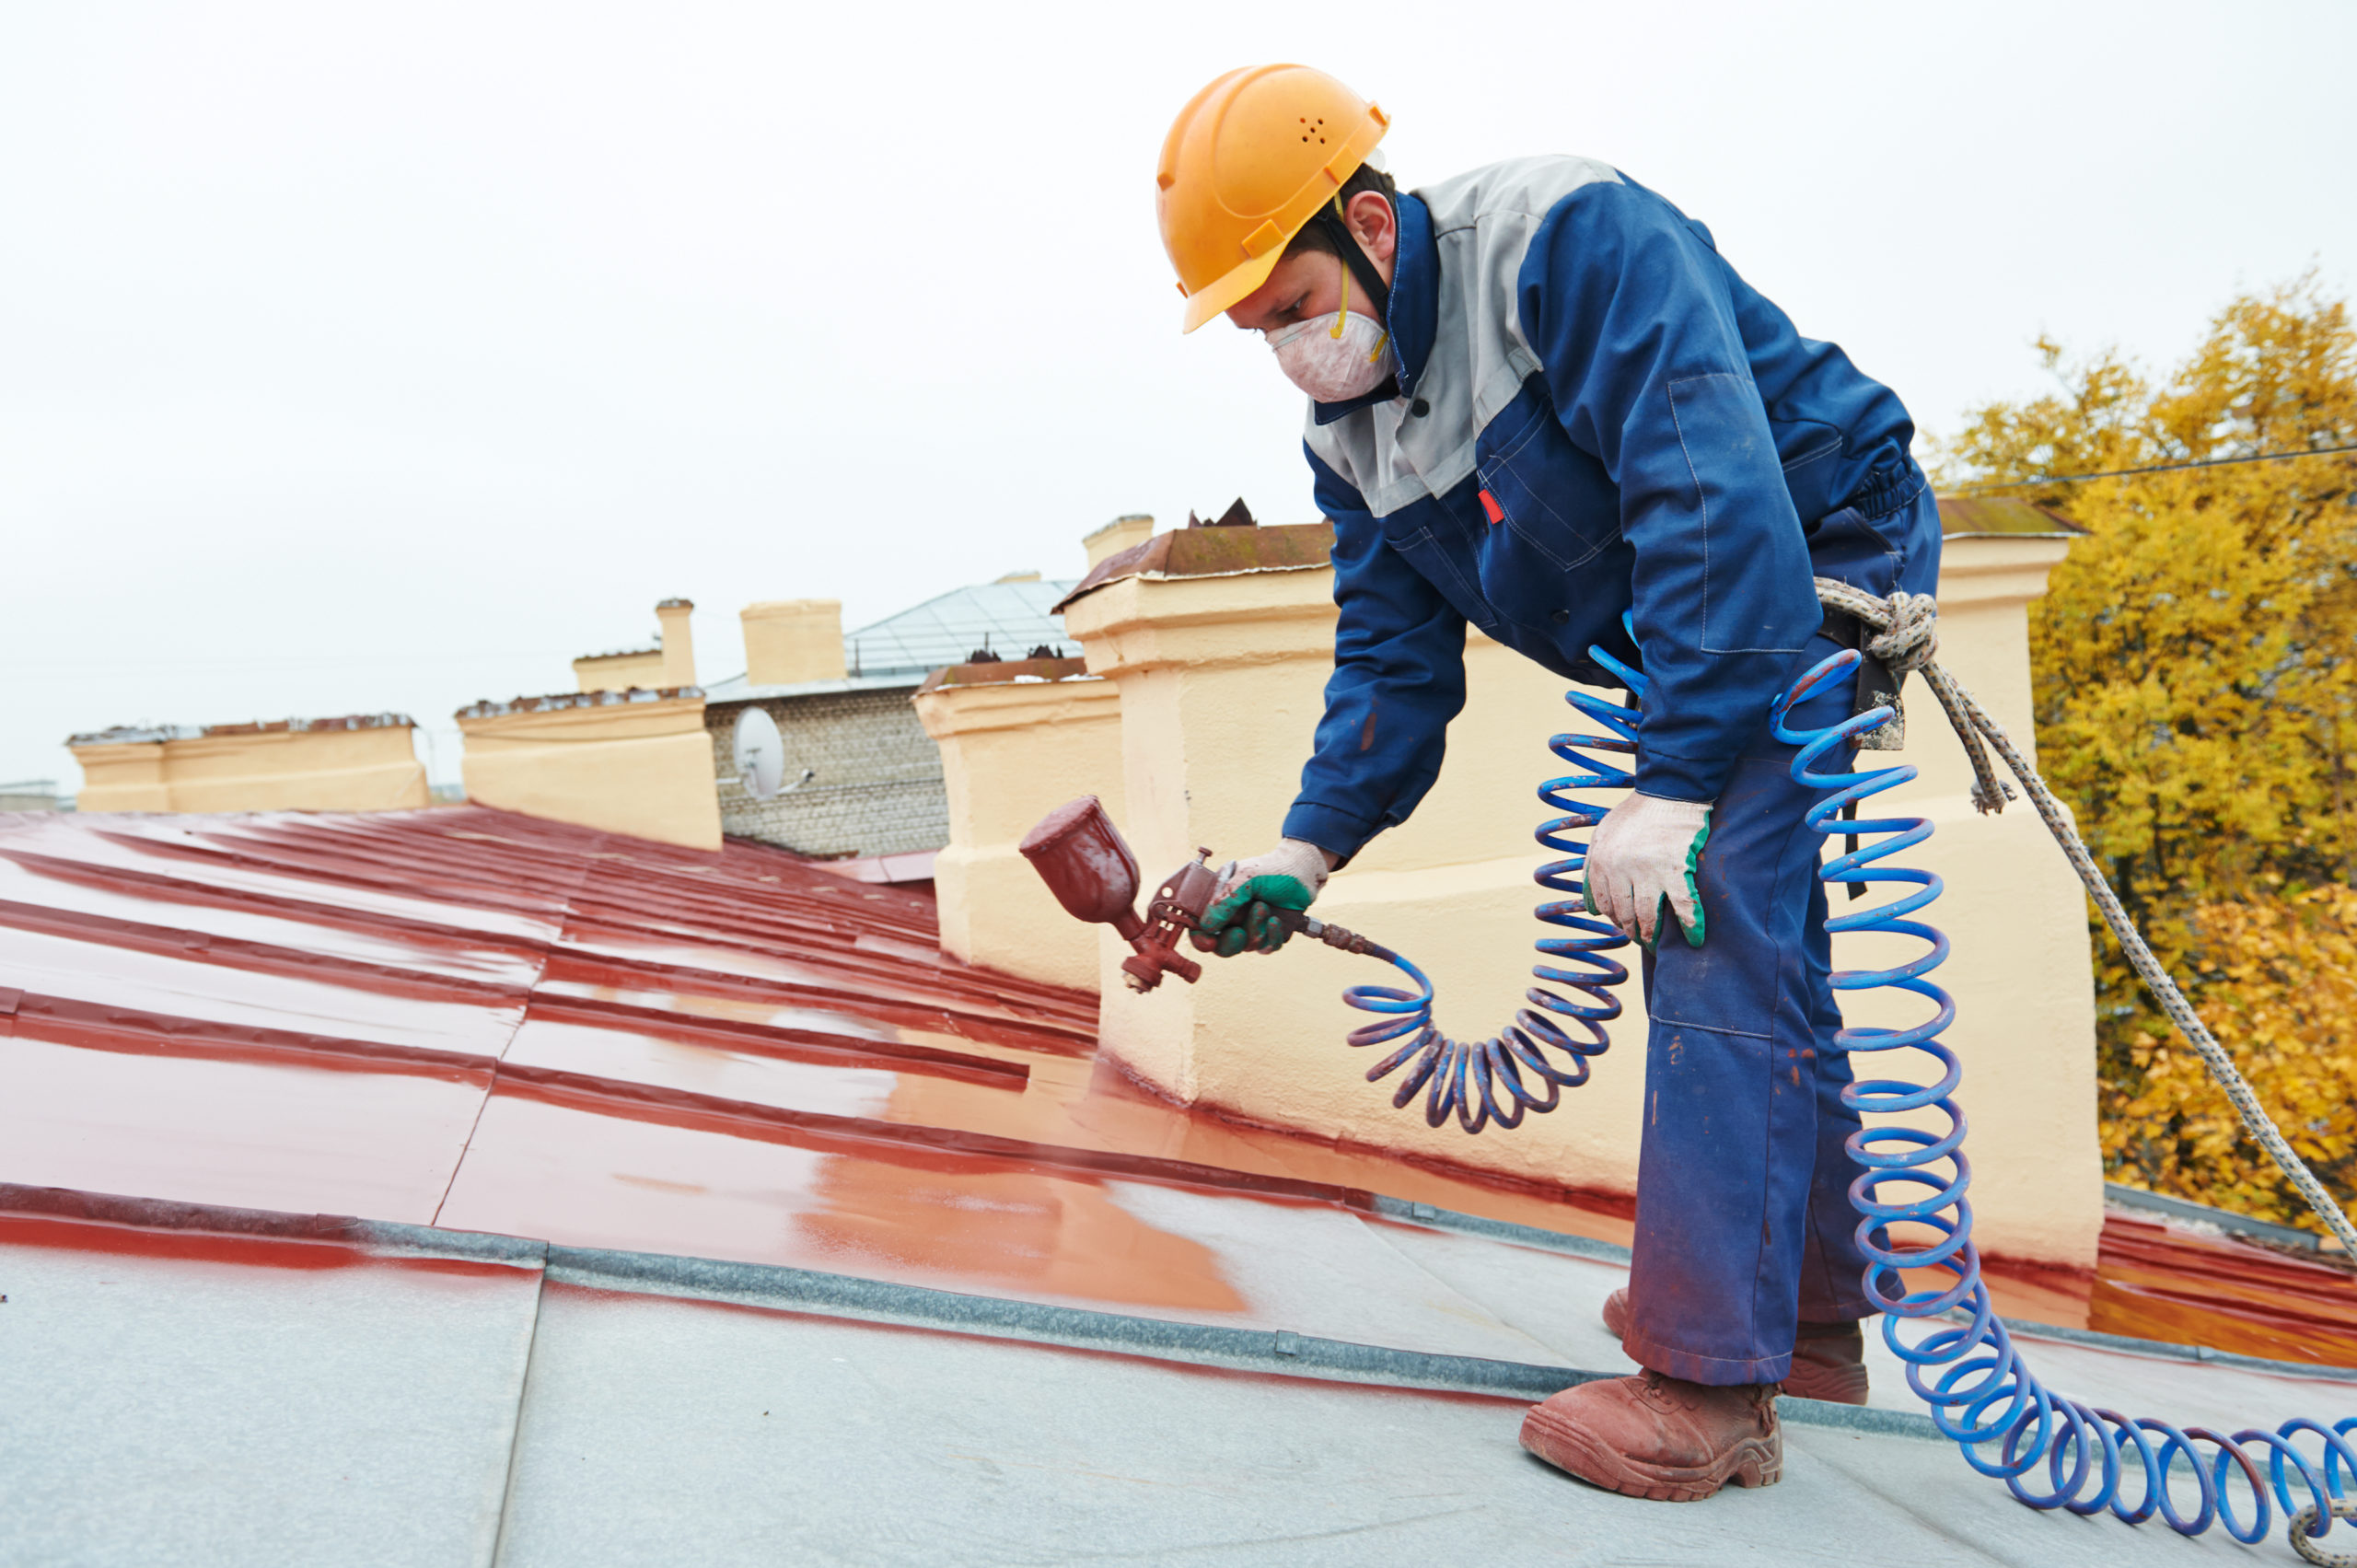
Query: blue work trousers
[1744, 1222]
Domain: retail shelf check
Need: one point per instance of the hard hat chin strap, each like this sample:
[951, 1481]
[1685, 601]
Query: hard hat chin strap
[1354, 257]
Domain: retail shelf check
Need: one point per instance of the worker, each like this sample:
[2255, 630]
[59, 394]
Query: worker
[1540, 401]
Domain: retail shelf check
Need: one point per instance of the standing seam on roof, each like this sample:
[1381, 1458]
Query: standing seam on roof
[516, 1424]
[547, 950]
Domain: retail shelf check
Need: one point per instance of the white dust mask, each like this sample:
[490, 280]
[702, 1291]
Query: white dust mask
[1334, 359]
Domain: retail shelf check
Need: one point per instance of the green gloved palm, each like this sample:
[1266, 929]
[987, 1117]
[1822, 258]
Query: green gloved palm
[1243, 918]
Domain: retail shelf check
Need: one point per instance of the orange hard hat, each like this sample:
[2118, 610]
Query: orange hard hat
[1247, 162]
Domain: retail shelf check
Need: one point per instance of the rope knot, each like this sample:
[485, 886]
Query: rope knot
[1912, 635]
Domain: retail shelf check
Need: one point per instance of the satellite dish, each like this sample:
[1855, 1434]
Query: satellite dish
[761, 754]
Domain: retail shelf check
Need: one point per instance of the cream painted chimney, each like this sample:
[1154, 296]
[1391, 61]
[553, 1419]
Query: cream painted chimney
[789, 641]
[678, 642]
[1118, 535]
[1017, 738]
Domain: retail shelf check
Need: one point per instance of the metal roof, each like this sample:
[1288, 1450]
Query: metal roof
[1010, 619]
[558, 701]
[122, 735]
[737, 689]
[703, 1212]
[1214, 551]
[2003, 516]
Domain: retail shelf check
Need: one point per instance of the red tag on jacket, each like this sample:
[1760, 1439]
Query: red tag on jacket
[1489, 504]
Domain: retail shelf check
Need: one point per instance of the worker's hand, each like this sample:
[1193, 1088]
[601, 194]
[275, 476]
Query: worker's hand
[1239, 920]
[1641, 859]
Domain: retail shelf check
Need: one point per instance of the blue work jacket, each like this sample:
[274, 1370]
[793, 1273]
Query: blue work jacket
[1593, 416]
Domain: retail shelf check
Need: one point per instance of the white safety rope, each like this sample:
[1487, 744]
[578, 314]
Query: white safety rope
[1907, 636]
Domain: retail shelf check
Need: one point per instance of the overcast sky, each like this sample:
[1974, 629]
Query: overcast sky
[386, 358]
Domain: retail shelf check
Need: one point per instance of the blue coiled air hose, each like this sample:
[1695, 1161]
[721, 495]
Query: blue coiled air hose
[1980, 1393]
[1485, 1082]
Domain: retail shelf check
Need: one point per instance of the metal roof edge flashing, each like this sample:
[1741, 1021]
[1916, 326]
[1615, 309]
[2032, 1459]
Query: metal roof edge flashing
[558, 701]
[723, 693]
[776, 1287]
[132, 734]
[1007, 672]
[1238, 572]
[2161, 1203]
[390, 1237]
[2165, 1350]
[136, 735]
[313, 727]
[1213, 552]
[1434, 1218]
[1279, 1352]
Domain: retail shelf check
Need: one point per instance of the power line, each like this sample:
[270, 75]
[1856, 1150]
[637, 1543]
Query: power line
[2161, 468]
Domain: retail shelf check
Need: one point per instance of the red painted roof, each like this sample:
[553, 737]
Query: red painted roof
[2167, 1283]
[481, 1020]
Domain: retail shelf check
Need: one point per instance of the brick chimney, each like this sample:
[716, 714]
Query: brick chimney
[790, 641]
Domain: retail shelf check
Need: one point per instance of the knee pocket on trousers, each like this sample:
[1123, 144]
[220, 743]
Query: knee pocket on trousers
[1697, 988]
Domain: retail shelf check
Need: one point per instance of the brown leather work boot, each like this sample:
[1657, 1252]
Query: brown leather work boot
[1657, 1436]
[1829, 1363]
[1829, 1359]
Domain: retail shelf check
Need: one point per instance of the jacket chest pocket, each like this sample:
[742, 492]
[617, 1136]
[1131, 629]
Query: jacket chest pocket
[1555, 499]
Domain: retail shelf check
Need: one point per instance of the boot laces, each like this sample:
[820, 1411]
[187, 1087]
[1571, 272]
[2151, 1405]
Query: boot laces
[1656, 1390]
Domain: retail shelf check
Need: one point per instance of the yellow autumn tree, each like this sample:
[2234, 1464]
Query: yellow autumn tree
[2278, 983]
[2194, 667]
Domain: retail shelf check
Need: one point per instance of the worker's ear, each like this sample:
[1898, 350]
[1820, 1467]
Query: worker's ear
[1371, 218]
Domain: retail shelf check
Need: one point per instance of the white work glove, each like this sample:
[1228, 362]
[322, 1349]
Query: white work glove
[1288, 877]
[1643, 856]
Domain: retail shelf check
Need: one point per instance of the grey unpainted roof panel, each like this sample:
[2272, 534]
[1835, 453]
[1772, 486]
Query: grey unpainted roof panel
[662, 1432]
[499, 1409]
[215, 1414]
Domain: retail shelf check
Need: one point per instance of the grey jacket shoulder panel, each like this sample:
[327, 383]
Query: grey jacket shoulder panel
[1483, 225]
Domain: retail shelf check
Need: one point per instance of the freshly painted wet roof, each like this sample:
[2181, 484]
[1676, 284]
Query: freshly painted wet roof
[700, 1210]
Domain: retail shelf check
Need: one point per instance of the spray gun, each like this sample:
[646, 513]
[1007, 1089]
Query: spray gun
[1084, 860]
